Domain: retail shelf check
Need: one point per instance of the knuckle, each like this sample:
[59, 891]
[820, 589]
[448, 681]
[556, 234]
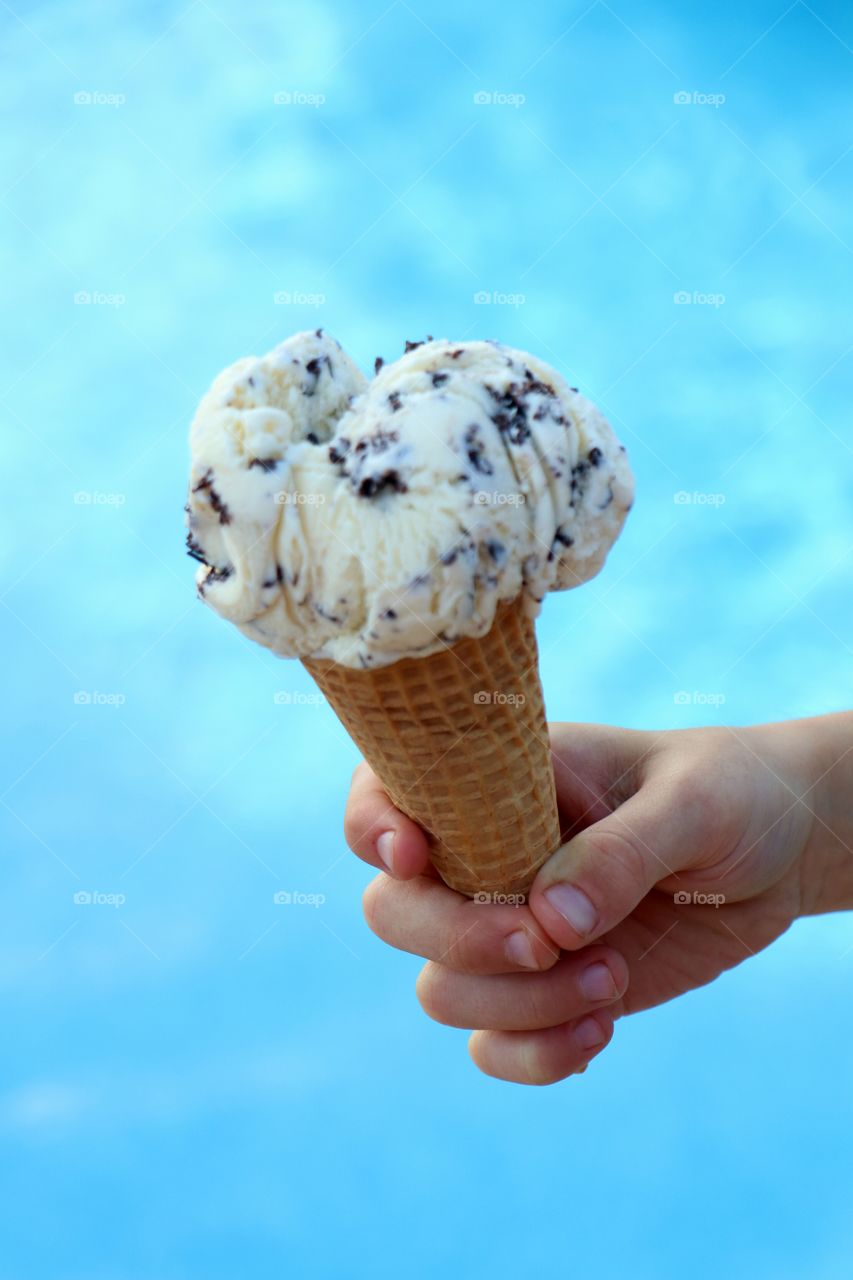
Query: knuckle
[360, 774]
[622, 856]
[354, 823]
[374, 903]
[431, 990]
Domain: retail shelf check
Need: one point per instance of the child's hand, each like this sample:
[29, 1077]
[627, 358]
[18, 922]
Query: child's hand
[687, 852]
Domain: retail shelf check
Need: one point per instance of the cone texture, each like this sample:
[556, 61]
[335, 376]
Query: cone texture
[460, 743]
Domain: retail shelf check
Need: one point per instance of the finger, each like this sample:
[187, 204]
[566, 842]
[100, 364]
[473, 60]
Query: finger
[426, 918]
[541, 1057]
[596, 880]
[379, 833]
[577, 984]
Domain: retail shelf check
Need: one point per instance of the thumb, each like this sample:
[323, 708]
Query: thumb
[592, 883]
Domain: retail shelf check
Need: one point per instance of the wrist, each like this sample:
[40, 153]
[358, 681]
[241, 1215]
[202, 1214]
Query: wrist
[823, 749]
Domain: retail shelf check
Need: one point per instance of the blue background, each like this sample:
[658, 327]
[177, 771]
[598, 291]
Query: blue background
[199, 1082]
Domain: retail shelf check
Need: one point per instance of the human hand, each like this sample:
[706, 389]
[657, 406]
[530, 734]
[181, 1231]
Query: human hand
[686, 852]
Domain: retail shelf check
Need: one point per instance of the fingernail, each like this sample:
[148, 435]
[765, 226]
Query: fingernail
[596, 983]
[385, 849]
[574, 906]
[519, 951]
[588, 1034]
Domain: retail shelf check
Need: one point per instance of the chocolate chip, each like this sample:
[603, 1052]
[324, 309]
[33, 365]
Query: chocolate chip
[496, 549]
[195, 549]
[389, 615]
[339, 450]
[265, 464]
[475, 453]
[595, 456]
[330, 617]
[394, 401]
[370, 486]
[413, 346]
[312, 437]
[439, 378]
[377, 364]
[454, 355]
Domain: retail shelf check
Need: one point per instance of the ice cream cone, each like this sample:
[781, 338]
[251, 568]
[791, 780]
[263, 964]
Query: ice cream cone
[460, 743]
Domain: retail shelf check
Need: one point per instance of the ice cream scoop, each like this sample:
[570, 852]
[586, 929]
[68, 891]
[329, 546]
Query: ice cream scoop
[365, 522]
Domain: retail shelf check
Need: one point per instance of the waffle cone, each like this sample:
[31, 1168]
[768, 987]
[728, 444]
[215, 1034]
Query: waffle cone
[460, 743]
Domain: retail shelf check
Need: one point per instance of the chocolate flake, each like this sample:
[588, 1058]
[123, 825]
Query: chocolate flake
[377, 364]
[475, 451]
[439, 378]
[195, 549]
[373, 485]
[339, 451]
[265, 464]
[219, 507]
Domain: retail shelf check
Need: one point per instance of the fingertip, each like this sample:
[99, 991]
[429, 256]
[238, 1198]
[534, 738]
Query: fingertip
[565, 912]
[402, 849]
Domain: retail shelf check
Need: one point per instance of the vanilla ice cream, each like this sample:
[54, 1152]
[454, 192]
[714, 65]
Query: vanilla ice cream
[365, 521]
